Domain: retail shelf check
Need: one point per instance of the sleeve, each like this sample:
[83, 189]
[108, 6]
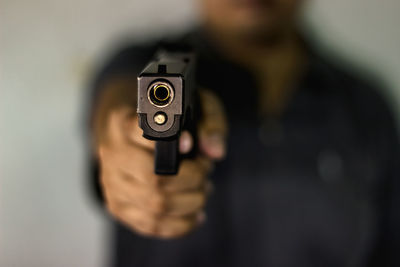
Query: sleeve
[388, 243]
[391, 217]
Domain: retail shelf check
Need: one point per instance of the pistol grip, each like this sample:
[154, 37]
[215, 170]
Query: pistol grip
[166, 157]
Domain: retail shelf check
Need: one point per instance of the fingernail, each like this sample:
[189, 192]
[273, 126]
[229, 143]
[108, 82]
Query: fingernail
[185, 144]
[216, 145]
[201, 217]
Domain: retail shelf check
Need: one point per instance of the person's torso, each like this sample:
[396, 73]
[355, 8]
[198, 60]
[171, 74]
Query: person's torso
[295, 191]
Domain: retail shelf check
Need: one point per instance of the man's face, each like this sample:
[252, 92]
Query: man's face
[259, 17]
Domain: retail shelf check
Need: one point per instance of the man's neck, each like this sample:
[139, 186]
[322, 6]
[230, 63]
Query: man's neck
[251, 49]
[275, 60]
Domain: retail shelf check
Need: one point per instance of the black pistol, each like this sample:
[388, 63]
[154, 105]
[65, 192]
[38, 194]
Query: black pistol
[167, 104]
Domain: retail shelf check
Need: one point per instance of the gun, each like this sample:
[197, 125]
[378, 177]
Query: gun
[167, 105]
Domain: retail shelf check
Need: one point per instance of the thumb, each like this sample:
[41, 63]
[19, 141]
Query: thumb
[213, 126]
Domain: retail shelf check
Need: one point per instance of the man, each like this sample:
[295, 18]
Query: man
[308, 171]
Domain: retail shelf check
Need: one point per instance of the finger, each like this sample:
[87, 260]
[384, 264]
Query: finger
[157, 197]
[125, 192]
[213, 114]
[173, 205]
[213, 126]
[185, 142]
[133, 161]
[134, 134]
[122, 129]
[138, 164]
[179, 195]
[192, 176]
[124, 124]
[201, 217]
[184, 203]
[169, 198]
[212, 145]
[163, 227]
[114, 131]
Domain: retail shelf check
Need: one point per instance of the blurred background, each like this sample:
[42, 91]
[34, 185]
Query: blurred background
[49, 49]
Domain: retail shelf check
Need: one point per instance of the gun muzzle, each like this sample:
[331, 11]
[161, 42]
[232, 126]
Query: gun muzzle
[160, 94]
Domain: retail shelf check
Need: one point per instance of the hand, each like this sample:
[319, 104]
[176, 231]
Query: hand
[150, 204]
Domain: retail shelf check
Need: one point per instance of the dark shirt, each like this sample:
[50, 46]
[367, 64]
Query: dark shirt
[317, 187]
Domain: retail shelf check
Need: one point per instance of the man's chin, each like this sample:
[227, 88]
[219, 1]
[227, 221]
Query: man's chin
[259, 31]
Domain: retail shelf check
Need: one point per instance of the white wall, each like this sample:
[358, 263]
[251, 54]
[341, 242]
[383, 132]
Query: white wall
[47, 49]
[366, 31]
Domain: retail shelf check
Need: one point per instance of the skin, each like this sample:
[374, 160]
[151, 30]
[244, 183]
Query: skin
[256, 20]
[150, 204]
[262, 36]
[257, 34]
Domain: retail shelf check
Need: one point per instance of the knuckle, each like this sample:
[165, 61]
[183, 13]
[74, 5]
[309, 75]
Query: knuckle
[199, 176]
[145, 231]
[112, 207]
[202, 199]
[196, 168]
[181, 227]
[157, 203]
[140, 221]
[148, 223]
[107, 193]
[107, 186]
